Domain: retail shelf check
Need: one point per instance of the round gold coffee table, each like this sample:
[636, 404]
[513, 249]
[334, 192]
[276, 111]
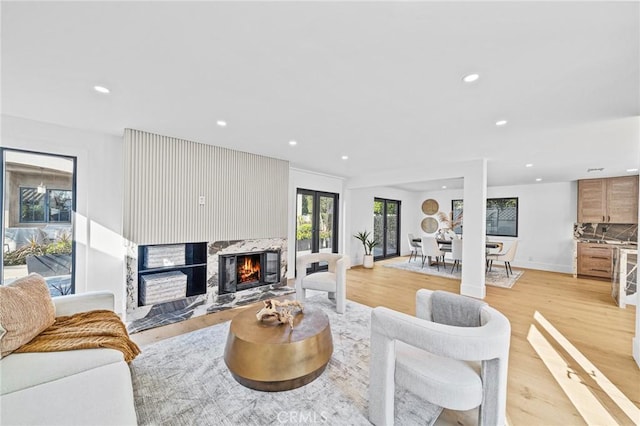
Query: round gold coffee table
[269, 356]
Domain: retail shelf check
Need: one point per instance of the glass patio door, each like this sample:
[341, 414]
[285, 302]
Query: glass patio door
[316, 224]
[386, 228]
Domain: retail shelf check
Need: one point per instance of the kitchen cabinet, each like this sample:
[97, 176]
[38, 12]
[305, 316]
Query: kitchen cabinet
[595, 260]
[609, 200]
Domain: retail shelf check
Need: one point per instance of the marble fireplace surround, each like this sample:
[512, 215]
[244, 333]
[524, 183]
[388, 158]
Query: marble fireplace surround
[141, 318]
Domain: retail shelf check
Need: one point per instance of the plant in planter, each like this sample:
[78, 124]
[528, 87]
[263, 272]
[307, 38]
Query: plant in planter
[19, 256]
[368, 244]
[43, 256]
[447, 225]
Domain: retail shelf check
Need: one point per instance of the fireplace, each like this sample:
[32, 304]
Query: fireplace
[242, 271]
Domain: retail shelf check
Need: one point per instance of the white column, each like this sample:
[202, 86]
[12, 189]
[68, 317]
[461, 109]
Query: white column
[474, 229]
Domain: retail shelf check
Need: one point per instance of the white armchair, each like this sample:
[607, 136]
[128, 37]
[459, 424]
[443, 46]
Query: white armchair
[332, 281]
[454, 354]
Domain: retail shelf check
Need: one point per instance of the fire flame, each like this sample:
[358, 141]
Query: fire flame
[248, 270]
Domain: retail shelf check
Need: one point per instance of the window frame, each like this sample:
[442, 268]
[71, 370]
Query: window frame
[517, 207]
[46, 206]
[383, 243]
[22, 203]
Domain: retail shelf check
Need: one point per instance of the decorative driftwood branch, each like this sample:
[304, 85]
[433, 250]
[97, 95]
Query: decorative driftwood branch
[281, 311]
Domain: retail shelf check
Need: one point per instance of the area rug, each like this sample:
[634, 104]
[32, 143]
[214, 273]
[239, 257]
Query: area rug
[184, 381]
[497, 277]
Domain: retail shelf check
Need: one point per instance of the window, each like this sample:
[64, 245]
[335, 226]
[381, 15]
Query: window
[54, 205]
[456, 209]
[502, 216]
[59, 205]
[38, 200]
[32, 205]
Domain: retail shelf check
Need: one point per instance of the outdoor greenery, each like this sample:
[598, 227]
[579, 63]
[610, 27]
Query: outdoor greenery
[38, 248]
[304, 232]
[502, 216]
[385, 223]
[325, 217]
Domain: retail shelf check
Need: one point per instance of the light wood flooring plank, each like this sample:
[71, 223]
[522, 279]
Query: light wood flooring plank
[582, 310]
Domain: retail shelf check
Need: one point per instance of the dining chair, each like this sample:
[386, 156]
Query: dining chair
[505, 256]
[414, 246]
[456, 253]
[431, 249]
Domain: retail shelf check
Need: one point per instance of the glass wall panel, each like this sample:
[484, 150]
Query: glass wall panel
[316, 224]
[38, 202]
[386, 227]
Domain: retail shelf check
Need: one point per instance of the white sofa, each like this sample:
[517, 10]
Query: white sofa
[78, 387]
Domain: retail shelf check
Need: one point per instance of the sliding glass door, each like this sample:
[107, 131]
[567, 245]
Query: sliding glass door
[317, 223]
[386, 228]
[38, 201]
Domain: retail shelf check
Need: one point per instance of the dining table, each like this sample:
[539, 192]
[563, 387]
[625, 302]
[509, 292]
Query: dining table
[445, 246]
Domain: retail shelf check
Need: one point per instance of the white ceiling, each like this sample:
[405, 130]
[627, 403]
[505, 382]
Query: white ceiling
[377, 81]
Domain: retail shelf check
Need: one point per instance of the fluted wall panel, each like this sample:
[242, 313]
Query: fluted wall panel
[245, 194]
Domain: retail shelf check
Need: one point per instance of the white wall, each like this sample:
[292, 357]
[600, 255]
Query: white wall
[360, 217]
[546, 214]
[99, 192]
[303, 179]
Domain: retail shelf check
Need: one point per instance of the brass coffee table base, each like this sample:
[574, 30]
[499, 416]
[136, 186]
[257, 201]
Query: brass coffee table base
[281, 385]
[269, 356]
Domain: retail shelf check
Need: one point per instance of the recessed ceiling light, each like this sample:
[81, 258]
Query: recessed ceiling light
[501, 122]
[101, 89]
[538, 179]
[632, 170]
[221, 123]
[345, 157]
[528, 165]
[293, 143]
[470, 78]
[444, 186]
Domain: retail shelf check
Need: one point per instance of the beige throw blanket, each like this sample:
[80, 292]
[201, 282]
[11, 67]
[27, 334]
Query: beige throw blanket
[85, 330]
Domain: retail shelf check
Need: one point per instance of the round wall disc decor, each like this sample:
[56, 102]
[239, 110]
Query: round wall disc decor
[429, 225]
[430, 206]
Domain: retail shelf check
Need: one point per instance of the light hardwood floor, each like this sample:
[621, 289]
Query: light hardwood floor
[570, 360]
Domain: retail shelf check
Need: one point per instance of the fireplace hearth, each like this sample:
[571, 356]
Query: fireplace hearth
[242, 271]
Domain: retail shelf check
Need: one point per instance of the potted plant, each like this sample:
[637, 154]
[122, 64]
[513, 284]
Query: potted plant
[368, 244]
[448, 223]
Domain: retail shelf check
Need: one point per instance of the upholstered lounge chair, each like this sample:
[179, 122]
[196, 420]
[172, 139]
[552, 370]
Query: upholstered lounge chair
[332, 281]
[453, 354]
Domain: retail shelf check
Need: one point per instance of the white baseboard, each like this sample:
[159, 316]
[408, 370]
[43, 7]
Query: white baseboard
[549, 267]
